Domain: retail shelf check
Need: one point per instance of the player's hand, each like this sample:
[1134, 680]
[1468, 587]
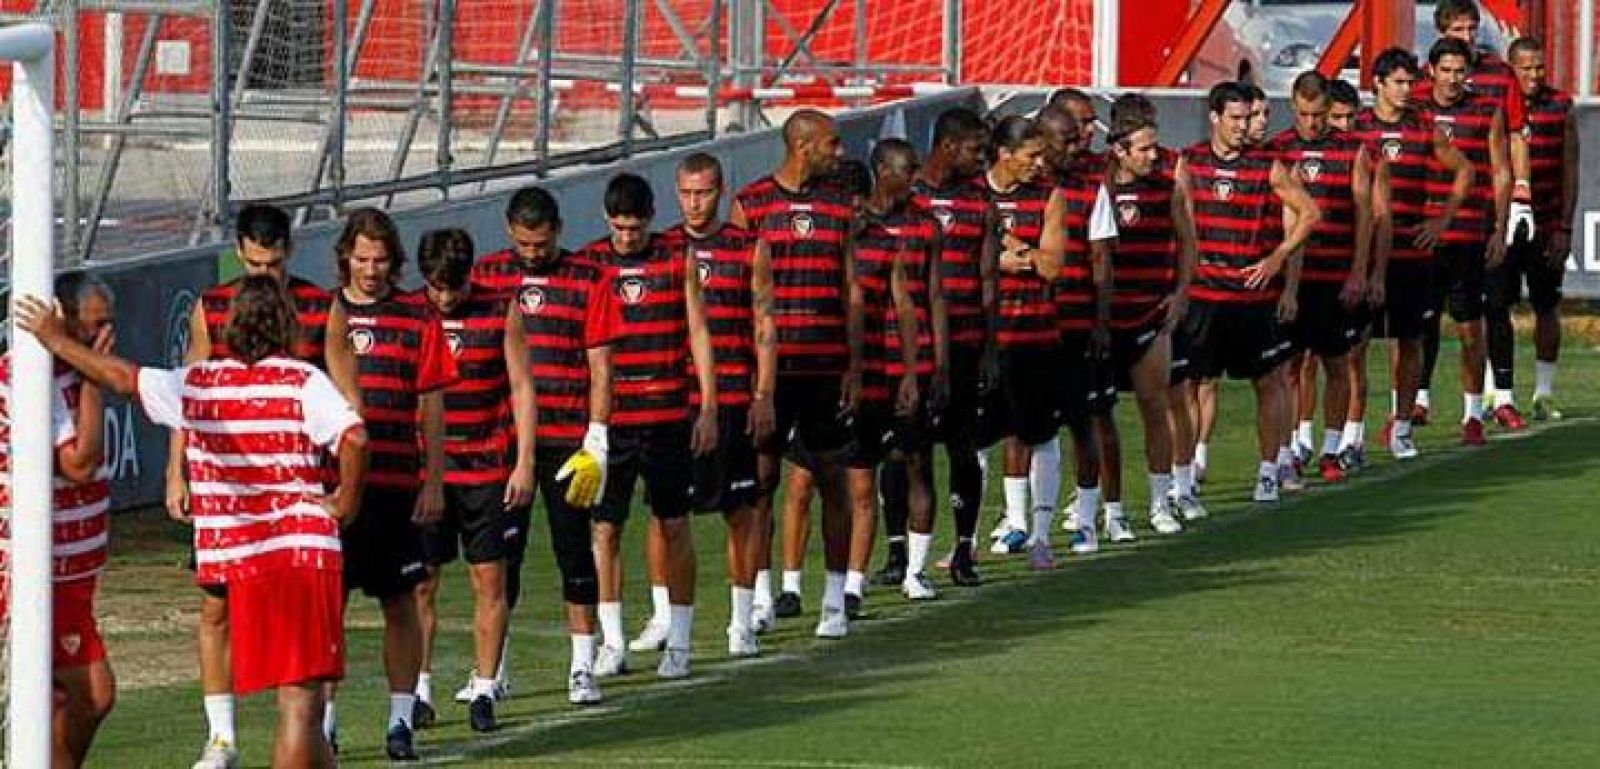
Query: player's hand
[850, 393]
[1015, 261]
[1496, 252]
[989, 370]
[1519, 219]
[43, 320]
[177, 499]
[1011, 242]
[1176, 307]
[429, 507]
[519, 487]
[939, 392]
[1427, 235]
[1288, 307]
[906, 397]
[104, 342]
[1261, 273]
[1378, 290]
[1354, 291]
[341, 507]
[586, 469]
[1558, 248]
[1099, 342]
[703, 440]
[763, 420]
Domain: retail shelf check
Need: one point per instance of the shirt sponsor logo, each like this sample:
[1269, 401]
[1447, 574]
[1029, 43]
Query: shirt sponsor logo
[531, 300]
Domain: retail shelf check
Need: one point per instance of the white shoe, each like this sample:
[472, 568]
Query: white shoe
[1189, 506]
[1118, 530]
[652, 639]
[1069, 519]
[742, 643]
[610, 661]
[1163, 521]
[834, 624]
[1000, 528]
[582, 689]
[674, 663]
[1084, 541]
[917, 587]
[464, 694]
[1289, 479]
[761, 618]
[1013, 541]
[1266, 489]
[1403, 446]
[218, 754]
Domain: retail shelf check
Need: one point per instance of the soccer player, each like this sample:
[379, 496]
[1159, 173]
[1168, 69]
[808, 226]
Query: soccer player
[1238, 299]
[817, 311]
[570, 320]
[950, 186]
[1343, 104]
[1343, 107]
[1408, 226]
[275, 545]
[1540, 260]
[404, 365]
[1336, 172]
[1476, 238]
[85, 688]
[263, 244]
[1080, 107]
[488, 445]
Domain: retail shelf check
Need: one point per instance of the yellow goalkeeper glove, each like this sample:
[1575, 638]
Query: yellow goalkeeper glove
[586, 469]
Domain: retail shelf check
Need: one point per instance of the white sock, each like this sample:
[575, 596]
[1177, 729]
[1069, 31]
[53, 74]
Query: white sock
[1423, 400]
[1302, 433]
[1544, 377]
[1017, 503]
[330, 719]
[1088, 505]
[1268, 470]
[1201, 454]
[219, 717]
[917, 552]
[1183, 480]
[1044, 473]
[854, 582]
[1504, 398]
[791, 581]
[1330, 441]
[1161, 485]
[425, 687]
[1042, 515]
[833, 590]
[661, 603]
[739, 608]
[1474, 406]
[1354, 435]
[1402, 427]
[482, 687]
[1285, 456]
[611, 624]
[400, 705]
[1113, 510]
[680, 626]
[763, 588]
[582, 652]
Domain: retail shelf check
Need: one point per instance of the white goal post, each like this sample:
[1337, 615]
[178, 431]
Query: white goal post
[31, 49]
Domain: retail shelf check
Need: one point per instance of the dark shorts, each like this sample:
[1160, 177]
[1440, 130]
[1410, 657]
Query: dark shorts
[1242, 340]
[659, 454]
[1090, 386]
[957, 423]
[1527, 261]
[876, 432]
[383, 549]
[1034, 388]
[1182, 350]
[476, 523]
[1459, 282]
[806, 408]
[725, 479]
[1128, 348]
[1408, 302]
[1322, 324]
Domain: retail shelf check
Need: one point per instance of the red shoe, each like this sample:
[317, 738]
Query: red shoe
[1332, 472]
[1472, 433]
[1419, 415]
[1508, 418]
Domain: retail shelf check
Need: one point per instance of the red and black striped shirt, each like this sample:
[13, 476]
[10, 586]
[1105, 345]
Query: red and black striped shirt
[311, 303]
[724, 262]
[479, 435]
[1233, 219]
[401, 354]
[1073, 289]
[1326, 167]
[913, 233]
[1027, 313]
[1144, 271]
[1546, 134]
[1406, 147]
[962, 209]
[1467, 124]
[649, 360]
[567, 309]
[807, 233]
[1491, 78]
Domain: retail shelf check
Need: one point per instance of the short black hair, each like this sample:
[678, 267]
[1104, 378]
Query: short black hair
[1310, 84]
[1340, 91]
[1064, 95]
[73, 287]
[444, 257]
[1013, 130]
[264, 225]
[1448, 46]
[1225, 93]
[1447, 11]
[1525, 44]
[958, 124]
[1256, 94]
[533, 207]
[629, 195]
[885, 148]
[1393, 60]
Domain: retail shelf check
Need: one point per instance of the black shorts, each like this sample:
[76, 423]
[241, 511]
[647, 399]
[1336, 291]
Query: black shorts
[1090, 387]
[477, 523]
[1034, 388]
[1240, 339]
[1128, 348]
[806, 408]
[876, 432]
[660, 454]
[1459, 283]
[1527, 261]
[1408, 301]
[1182, 363]
[725, 479]
[957, 423]
[383, 548]
[1322, 323]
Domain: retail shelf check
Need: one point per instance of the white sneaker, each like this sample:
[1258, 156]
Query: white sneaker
[1266, 489]
[1000, 528]
[1069, 519]
[464, 694]
[1189, 506]
[761, 618]
[1289, 478]
[674, 664]
[610, 661]
[652, 639]
[218, 754]
[1163, 521]
[834, 624]
[742, 643]
[917, 587]
[1118, 530]
[582, 689]
[1084, 541]
[1403, 446]
[1013, 541]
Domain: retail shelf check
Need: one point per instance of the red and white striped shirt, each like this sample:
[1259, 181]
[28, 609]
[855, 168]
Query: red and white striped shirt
[80, 520]
[255, 436]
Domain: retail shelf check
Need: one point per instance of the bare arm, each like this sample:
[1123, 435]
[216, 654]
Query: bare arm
[989, 279]
[106, 370]
[937, 314]
[1500, 168]
[199, 350]
[1306, 216]
[353, 459]
[1183, 221]
[339, 356]
[599, 384]
[524, 412]
[1361, 192]
[737, 216]
[1451, 158]
[905, 312]
[81, 459]
[1100, 272]
[705, 365]
[1382, 222]
[855, 308]
[766, 328]
[430, 503]
[1052, 250]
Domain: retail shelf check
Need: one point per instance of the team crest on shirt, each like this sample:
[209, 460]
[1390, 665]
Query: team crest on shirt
[702, 265]
[361, 340]
[453, 339]
[1310, 169]
[632, 290]
[1128, 213]
[1223, 188]
[1448, 127]
[944, 216]
[531, 300]
[1007, 223]
[1391, 149]
[802, 225]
